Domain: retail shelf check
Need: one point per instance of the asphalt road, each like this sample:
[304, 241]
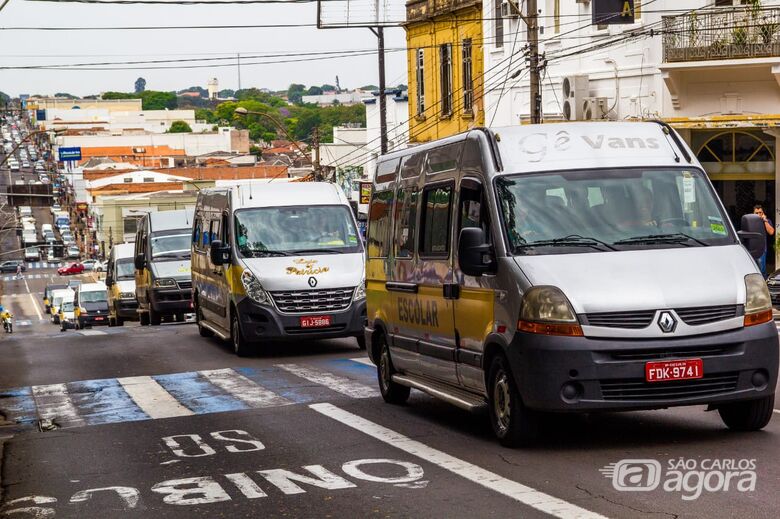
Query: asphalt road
[159, 422]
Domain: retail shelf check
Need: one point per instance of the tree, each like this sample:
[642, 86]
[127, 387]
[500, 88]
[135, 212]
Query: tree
[180, 127]
[4, 97]
[314, 91]
[225, 93]
[295, 92]
[65, 95]
[140, 85]
[153, 100]
[369, 87]
[328, 88]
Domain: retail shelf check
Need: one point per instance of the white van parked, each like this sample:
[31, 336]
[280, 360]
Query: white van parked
[275, 262]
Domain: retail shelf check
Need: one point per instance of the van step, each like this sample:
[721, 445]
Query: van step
[217, 331]
[452, 395]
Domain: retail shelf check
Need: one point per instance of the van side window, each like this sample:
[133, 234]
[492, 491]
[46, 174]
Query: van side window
[405, 222]
[444, 158]
[379, 227]
[223, 234]
[196, 233]
[410, 166]
[473, 209]
[435, 234]
[214, 230]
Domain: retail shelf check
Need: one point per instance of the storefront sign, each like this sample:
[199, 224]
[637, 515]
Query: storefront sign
[612, 12]
[70, 154]
[365, 192]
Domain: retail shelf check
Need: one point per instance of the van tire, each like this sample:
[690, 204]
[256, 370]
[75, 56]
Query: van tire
[204, 332]
[752, 415]
[392, 392]
[240, 344]
[513, 424]
[154, 317]
[143, 318]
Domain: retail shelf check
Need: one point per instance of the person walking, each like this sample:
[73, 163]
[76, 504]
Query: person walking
[19, 271]
[769, 227]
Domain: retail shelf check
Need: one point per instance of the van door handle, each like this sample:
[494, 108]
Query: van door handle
[451, 290]
[410, 288]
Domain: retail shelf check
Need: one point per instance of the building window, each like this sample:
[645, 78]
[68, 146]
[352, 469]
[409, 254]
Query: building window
[131, 224]
[468, 81]
[445, 70]
[420, 77]
[498, 28]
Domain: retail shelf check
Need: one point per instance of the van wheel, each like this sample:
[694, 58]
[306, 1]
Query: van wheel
[179, 317]
[752, 415]
[513, 424]
[154, 317]
[204, 332]
[240, 344]
[392, 392]
[143, 318]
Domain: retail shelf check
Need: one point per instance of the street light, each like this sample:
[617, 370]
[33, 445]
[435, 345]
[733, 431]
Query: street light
[244, 112]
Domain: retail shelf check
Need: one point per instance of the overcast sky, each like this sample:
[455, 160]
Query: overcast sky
[34, 47]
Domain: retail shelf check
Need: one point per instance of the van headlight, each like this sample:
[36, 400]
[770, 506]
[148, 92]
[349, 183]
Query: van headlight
[127, 295]
[165, 283]
[758, 302]
[545, 310]
[253, 287]
[360, 290]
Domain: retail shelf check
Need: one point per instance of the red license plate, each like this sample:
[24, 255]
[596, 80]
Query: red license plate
[316, 321]
[98, 318]
[674, 370]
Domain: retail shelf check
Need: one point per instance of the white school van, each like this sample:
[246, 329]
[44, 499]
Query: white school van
[277, 262]
[572, 267]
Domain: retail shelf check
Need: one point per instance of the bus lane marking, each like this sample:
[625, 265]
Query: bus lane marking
[337, 383]
[244, 389]
[152, 398]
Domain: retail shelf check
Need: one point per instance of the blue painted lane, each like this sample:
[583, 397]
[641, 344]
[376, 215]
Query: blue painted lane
[196, 393]
[18, 405]
[104, 401]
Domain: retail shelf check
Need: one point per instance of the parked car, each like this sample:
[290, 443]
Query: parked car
[11, 265]
[73, 251]
[71, 269]
[89, 264]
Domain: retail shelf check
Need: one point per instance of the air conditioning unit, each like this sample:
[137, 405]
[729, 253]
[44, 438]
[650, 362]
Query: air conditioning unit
[575, 90]
[509, 9]
[139, 150]
[594, 108]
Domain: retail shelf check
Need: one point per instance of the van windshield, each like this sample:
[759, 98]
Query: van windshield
[93, 296]
[288, 231]
[67, 306]
[125, 269]
[610, 209]
[171, 245]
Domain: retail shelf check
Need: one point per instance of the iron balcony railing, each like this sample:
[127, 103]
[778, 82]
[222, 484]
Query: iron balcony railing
[730, 33]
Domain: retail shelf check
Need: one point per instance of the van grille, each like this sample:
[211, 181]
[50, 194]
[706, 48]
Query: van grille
[672, 353]
[635, 320]
[185, 285]
[707, 314]
[303, 301]
[639, 389]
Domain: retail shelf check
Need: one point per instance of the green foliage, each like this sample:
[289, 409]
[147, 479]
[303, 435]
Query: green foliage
[314, 91]
[226, 92]
[328, 88]
[150, 99]
[204, 114]
[65, 95]
[295, 92]
[180, 127]
[369, 87]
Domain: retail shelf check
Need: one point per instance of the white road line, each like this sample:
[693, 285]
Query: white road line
[776, 411]
[363, 360]
[152, 398]
[54, 403]
[34, 302]
[92, 332]
[244, 389]
[517, 491]
[339, 384]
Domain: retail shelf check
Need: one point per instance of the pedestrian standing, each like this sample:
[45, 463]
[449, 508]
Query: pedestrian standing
[19, 271]
[769, 227]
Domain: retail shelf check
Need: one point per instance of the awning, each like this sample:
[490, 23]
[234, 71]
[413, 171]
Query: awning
[716, 122]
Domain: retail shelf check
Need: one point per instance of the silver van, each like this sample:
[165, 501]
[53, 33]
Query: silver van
[565, 268]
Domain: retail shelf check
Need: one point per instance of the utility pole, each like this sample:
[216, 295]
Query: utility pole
[238, 62]
[380, 35]
[317, 166]
[532, 24]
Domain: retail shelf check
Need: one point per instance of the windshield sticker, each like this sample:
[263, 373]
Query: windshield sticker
[306, 267]
[689, 191]
[717, 226]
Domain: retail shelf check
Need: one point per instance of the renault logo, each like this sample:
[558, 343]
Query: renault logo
[666, 322]
[312, 282]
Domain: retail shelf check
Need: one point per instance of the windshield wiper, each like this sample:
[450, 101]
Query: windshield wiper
[573, 240]
[265, 253]
[181, 254]
[316, 251]
[677, 237]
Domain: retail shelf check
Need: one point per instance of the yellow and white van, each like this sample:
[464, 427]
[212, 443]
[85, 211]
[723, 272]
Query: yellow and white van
[568, 267]
[277, 261]
[120, 280]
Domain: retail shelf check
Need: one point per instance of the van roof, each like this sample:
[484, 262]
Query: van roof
[282, 194]
[170, 220]
[123, 250]
[62, 291]
[576, 145]
[92, 287]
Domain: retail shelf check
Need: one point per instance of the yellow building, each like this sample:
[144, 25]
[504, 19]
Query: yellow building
[444, 46]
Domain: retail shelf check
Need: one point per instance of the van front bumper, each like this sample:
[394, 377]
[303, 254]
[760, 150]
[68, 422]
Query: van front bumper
[171, 301]
[126, 308]
[93, 319]
[578, 374]
[264, 323]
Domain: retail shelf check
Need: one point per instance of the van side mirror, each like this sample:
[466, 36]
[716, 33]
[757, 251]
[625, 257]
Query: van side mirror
[219, 253]
[752, 234]
[109, 282]
[140, 261]
[475, 255]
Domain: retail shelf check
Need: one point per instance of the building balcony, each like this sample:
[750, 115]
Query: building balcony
[423, 10]
[722, 34]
